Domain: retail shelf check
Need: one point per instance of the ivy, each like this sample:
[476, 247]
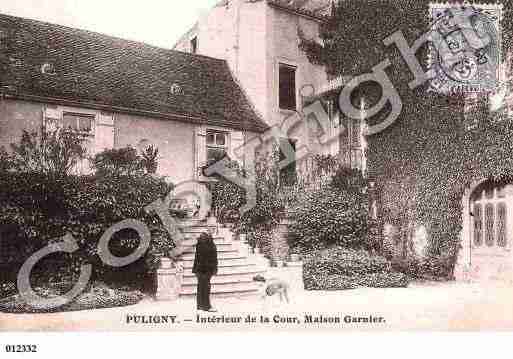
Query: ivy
[423, 163]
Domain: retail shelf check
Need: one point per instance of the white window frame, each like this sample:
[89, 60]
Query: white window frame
[62, 110]
[495, 200]
[227, 145]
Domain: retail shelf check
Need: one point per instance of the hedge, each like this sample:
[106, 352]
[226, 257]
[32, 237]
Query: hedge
[329, 216]
[38, 209]
[98, 296]
[337, 268]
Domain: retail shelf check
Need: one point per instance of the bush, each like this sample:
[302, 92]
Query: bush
[342, 282]
[5, 160]
[53, 153]
[270, 206]
[329, 216]
[430, 268]
[98, 296]
[227, 197]
[348, 180]
[119, 162]
[149, 159]
[7, 289]
[41, 206]
[337, 268]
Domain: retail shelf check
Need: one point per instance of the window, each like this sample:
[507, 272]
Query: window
[478, 225]
[490, 215]
[501, 224]
[287, 87]
[194, 45]
[288, 175]
[489, 224]
[217, 145]
[81, 123]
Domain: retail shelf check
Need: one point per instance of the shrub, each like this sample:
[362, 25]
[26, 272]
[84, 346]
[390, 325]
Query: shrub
[430, 268]
[118, 162]
[348, 180]
[270, 206]
[5, 160]
[98, 296]
[38, 208]
[149, 159]
[337, 260]
[54, 153]
[227, 197]
[7, 289]
[337, 268]
[329, 216]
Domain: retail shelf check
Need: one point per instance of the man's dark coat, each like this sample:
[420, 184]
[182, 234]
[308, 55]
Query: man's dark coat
[205, 261]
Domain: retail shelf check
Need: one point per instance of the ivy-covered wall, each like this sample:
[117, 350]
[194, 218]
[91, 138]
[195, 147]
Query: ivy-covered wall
[425, 160]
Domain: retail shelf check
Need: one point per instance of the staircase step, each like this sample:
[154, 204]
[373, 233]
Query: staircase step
[227, 237]
[223, 262]
[250, 270]
[221, 248]
[195, 235]
[235, 270]
[234, 278]
[192, 242]
[238, 294]
[224, 288]
[233, 254]
[191, 222]
[199, 229]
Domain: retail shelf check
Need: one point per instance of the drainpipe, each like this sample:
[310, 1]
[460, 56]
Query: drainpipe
[363, 140]
[469, 234]
[237, 36]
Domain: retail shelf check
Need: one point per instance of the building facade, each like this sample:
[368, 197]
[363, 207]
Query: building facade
[120, 93]
[260, 41]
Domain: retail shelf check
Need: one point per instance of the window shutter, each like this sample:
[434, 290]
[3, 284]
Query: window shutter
[104, 133]
[201, 148]
[236, 151]
[287, 87]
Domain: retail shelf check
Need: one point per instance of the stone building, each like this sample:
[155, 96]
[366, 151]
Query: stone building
[119, 93]
[260, 40]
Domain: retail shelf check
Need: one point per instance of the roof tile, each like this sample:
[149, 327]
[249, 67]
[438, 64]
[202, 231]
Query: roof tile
[96, 68]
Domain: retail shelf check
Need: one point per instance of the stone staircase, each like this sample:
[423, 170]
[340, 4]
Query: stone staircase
[237, 266]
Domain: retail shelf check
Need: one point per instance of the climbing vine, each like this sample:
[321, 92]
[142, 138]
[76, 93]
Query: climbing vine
[422, 163]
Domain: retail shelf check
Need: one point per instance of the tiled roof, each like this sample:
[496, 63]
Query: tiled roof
[315, 8]
[92, 68]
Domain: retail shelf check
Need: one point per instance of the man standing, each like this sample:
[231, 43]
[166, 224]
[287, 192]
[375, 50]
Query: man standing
[205, 266]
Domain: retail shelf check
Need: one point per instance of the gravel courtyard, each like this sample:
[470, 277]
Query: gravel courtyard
[422, 306]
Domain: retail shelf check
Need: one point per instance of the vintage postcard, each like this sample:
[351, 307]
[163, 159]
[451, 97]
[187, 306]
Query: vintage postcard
[255, 165]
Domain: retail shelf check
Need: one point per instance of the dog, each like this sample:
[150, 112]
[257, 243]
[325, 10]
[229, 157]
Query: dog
[272, 287]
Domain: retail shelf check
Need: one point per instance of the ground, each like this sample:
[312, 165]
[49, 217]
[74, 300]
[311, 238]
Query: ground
[422, 306]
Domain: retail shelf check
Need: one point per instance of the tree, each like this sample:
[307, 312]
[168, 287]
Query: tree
[53, 153]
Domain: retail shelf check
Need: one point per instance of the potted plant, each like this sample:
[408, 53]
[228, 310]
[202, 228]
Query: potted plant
[294, 256]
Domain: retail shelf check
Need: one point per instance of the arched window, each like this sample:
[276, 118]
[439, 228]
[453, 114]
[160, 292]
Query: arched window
[489, 208]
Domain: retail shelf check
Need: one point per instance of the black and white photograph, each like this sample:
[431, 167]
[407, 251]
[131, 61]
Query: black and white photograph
[255, 166]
